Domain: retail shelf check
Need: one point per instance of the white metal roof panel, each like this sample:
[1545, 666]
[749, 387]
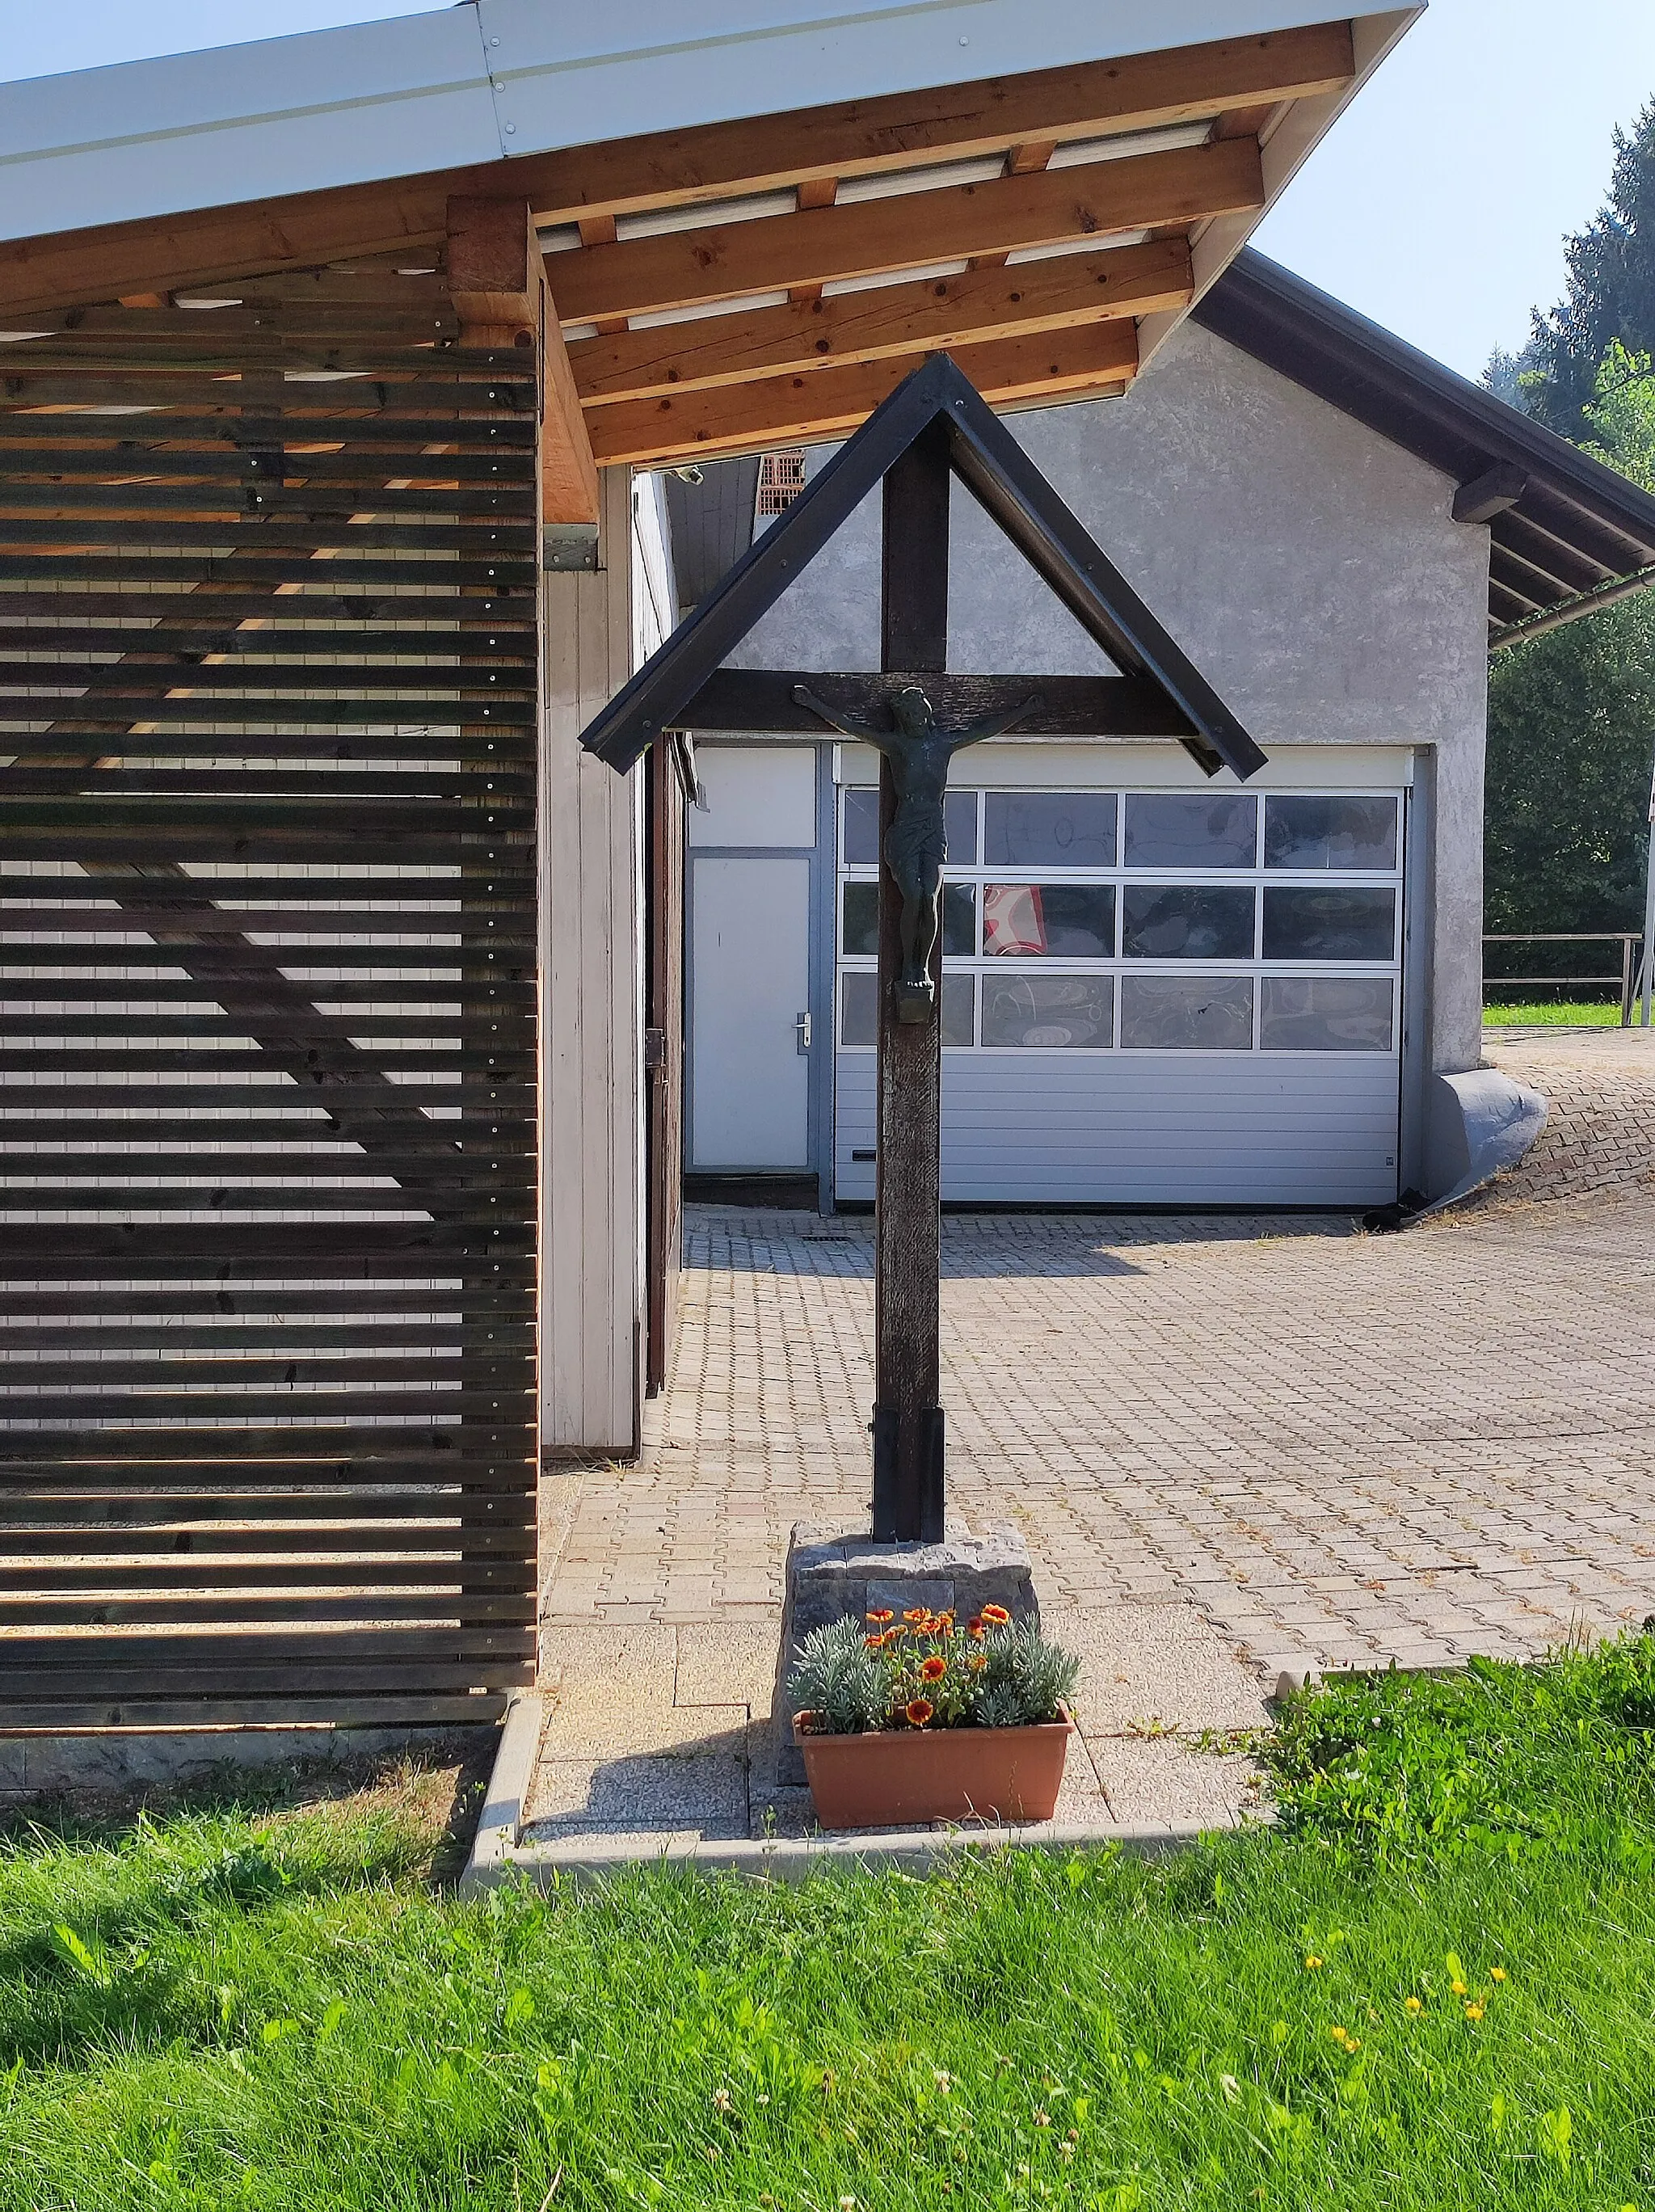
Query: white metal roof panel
[495, 78]
[244, 122]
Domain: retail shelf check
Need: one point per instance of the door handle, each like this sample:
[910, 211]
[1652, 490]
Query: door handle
[802, 1031]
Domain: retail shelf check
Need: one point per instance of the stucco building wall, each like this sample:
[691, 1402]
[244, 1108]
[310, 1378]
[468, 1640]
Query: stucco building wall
[1309, 568]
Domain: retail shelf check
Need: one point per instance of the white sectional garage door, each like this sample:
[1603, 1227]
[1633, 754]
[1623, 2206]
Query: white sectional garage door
[1151, 996]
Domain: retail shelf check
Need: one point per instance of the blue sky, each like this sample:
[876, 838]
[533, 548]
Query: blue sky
[1437, 206]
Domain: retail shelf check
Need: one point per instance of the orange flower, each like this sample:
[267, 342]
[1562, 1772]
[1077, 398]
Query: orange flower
[974, 1626]
[875, 1643]
[997, 1614]
[934, 1669]
[977, 1662]
[885, 1614]
[916, 1613]
[918, 1711]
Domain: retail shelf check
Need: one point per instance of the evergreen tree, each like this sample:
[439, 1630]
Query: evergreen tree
[1609, 294]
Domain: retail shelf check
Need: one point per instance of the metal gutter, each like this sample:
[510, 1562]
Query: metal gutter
[1567, 610]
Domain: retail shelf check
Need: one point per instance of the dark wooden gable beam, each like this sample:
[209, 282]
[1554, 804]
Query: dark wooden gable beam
[997, 473]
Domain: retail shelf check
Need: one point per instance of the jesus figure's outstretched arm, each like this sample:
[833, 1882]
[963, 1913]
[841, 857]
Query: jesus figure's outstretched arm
[993, 725]
[846, 725]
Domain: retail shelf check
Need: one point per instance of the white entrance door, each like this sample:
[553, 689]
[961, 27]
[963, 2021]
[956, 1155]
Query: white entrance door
[749, 1027]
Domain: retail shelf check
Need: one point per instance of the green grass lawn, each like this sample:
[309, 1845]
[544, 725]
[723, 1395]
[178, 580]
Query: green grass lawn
[1433, 1986]
[1553, 1016]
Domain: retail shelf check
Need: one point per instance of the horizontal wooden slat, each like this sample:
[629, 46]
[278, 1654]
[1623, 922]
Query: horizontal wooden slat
[52, 1718]
[78, 561]
[244, 463]
[303, 417]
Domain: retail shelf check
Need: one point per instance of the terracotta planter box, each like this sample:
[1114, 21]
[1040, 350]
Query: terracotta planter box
[902, 1776]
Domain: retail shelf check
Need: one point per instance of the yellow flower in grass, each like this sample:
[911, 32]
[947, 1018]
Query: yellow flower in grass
[1496, 1973]
[1411, 2004]
[1474, 2011]
[1459, 1989]
[1312, 1961]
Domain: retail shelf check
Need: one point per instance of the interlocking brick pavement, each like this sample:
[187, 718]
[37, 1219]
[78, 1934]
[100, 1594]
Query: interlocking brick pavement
[1345, 1447]
[1599, 1088]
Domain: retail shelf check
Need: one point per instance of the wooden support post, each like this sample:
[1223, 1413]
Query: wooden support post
[497, 280]
[907, 1426]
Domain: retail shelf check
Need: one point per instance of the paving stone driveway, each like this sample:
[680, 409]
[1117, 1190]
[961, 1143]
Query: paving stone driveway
[1338, 1446]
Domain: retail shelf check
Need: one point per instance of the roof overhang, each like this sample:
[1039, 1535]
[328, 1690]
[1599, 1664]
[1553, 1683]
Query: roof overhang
[753, 233]
[1567, 535]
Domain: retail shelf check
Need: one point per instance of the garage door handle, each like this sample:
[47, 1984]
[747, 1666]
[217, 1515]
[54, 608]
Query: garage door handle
[802, 1031]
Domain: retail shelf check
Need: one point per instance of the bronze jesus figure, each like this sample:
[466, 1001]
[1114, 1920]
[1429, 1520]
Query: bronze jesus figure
[916, 844]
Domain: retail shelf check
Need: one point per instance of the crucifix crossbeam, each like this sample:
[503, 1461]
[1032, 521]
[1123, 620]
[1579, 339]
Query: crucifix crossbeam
[933, 429]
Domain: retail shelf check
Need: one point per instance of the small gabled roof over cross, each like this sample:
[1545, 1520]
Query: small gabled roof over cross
[1159, 693]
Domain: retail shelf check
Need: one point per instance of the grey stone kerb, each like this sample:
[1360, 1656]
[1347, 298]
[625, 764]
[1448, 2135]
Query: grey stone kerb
[830, 1576]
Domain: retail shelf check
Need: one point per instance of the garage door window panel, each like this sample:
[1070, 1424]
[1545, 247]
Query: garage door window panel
[1191, 829]
[1048, 829]
[1073, 922]
[1355, 836]
[859, 827]
[1049, 1014]
[1326, 1014]
[859, 920]
[1186, 1013]
[1316, 921]
[1187, 922]
[858, 1009]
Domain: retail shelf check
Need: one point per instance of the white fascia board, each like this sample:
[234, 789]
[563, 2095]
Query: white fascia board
[481, 81]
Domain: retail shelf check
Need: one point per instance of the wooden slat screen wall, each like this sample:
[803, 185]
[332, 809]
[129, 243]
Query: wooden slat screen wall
[268, 1125]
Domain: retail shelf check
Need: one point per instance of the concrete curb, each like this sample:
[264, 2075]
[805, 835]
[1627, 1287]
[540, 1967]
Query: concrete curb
[500, 1822]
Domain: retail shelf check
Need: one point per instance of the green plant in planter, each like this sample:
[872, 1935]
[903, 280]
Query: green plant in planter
[925, 1671]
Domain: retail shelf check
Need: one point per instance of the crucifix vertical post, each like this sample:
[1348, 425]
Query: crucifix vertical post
[908, 1423]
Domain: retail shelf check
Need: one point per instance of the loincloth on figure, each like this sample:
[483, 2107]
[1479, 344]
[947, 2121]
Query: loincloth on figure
[916, 843]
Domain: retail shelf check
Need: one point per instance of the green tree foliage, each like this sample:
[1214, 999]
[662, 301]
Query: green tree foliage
[1572, 729]
[1609, 295]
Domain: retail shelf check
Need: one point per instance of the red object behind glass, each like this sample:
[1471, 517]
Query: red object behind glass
[1012, 919]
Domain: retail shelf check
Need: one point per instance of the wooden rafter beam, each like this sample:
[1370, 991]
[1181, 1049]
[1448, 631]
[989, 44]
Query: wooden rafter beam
[692, 268]
[628, 176]
[894, 319]
[737, 418]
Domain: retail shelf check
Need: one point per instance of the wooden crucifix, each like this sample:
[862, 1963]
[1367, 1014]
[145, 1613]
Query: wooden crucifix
[914, 754]
[933, 428]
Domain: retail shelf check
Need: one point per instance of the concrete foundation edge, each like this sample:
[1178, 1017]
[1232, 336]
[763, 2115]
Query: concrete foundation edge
[917, 1851]
[117, 1761]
